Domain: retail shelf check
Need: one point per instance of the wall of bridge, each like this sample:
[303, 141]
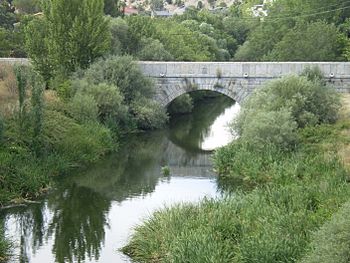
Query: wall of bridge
[234, 79]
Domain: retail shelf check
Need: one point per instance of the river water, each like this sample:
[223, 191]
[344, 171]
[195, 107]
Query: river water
[91, 214]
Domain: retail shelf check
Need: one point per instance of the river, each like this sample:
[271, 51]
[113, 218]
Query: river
[90, 214]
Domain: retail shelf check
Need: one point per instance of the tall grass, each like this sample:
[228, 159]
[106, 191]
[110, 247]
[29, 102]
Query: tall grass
[295, 180]
[5, 247]
[332, 242]
[269, 224]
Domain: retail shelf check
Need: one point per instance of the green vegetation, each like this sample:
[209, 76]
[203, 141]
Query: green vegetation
[181, 105]
[317, 30]
[4, 247]
[45, 134]
[82, 37]
[331, 243]
[291, 182]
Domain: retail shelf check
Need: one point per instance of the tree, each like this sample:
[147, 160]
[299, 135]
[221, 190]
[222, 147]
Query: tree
[75, 33]
[27, 6]
[112, 7]
[153, 49]
[7, 16]
[157, 4]
[317, 41]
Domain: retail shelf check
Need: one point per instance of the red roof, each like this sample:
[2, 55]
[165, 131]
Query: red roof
[128, 10]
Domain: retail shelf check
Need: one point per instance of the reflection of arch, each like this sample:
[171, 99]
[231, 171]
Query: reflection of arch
[170, 88]
[188, 132]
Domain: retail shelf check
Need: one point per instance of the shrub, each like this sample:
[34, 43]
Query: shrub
[149, 114]
[77, 143]
[109, 100]
[124, 73]
[332, 241]
[153, 49]
[2, 129]
[270, 224]
[181, 105]
[310, 102]
[83, 108]
[270, 127]
[313, 74]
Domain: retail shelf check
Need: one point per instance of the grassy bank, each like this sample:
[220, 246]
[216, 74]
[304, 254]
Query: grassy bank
[272, 223]
[292, 180]
[45, 133]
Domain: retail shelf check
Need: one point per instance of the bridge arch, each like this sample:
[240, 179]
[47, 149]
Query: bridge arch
[168, 89]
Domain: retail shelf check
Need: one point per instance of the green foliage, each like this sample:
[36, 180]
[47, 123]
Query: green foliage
[23, 174]
[156, 4]
[35, 33]
[317, 41]
[331, 242]
[27, 6]
[37, 115]
[137, 91]
[153, 49]
[269, 127]
[181, 105]
[5, 246]
[7, 16]
[21, 77]
[309, 102]
[149, 114]
[73, 34]
[83, 108]
[313, 74]
[2, 129]
[112, 7]
[121, 41]
[76, 143]
[270, 224]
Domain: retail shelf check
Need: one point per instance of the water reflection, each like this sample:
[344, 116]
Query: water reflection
[206, 128]
[91, 214]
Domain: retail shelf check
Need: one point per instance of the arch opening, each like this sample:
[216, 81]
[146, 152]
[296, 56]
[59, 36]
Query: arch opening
[206, 126]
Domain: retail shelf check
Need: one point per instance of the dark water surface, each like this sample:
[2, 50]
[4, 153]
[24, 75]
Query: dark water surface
[90, 214]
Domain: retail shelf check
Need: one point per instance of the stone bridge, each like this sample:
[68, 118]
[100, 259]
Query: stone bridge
[236, 80]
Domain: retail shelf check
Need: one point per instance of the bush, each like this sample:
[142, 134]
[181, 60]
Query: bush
[77, 143]
[83, 108]
[310, 102]
[270, 224]
[149, 114]
[181, 105]
[124, 73]
[133, 90]
[4, 246]
[2, 129]
[153, 49]
[332, 241]
[314, 74]
[270, 127]
[109, 100]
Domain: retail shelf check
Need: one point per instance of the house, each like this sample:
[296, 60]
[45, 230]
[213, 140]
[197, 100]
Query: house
[129, 10]
[161, 13]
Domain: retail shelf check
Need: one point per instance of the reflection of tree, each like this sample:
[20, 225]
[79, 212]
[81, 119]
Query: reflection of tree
[31, 228]
[134, 171]
[78, 222]
[189, 131]
[75, 214]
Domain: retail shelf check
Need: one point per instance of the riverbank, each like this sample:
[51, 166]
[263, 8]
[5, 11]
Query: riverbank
[293, 194]
[46, 133]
